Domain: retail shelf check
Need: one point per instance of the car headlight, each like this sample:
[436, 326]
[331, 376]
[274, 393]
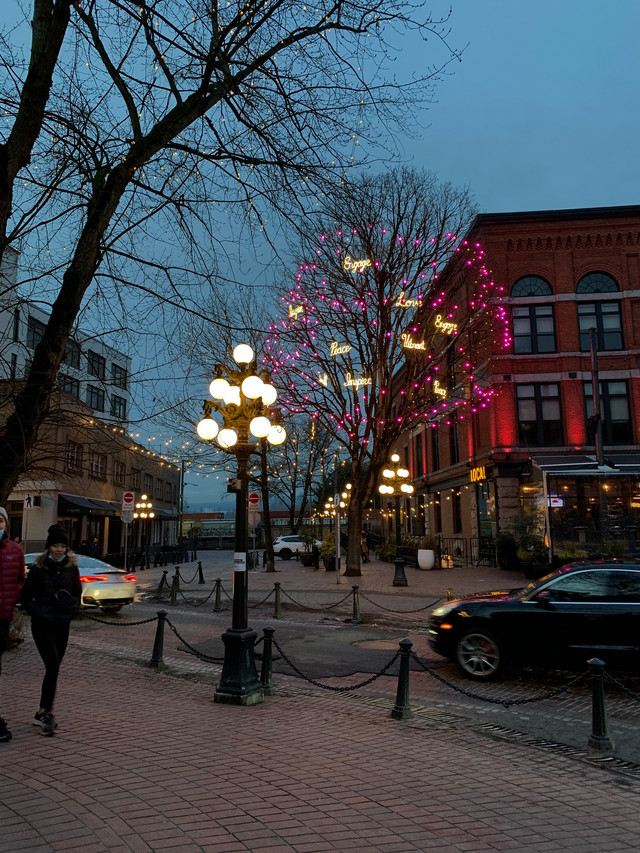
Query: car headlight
[444, 609]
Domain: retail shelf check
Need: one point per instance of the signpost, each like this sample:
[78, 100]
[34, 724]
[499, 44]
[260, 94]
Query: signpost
[126, 515]
[254, 500]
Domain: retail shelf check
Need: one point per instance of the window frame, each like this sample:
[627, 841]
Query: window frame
[542, 422]
[597, 313]
[535, 316]
[606, 397]
[118, 407]
[99, 394]
[35, 331]
[96, 365]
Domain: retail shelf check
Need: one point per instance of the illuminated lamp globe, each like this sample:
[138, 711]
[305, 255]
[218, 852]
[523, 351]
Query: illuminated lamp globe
[406, 488]
[260, 427]
[144, 497]
[152, 515]
[269, 394]
[402, 472]
[383, 489]
[276, 435]
[252, 387]
[395, 457]
[227, 438]
[243, 354]
[232, 397]
[207, 429]
[218, 388]
[388, 474]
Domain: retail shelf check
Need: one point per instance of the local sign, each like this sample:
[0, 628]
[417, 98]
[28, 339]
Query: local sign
[478, 474]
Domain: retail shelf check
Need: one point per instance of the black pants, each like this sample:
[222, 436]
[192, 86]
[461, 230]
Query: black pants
[4, 638]
[51, 642]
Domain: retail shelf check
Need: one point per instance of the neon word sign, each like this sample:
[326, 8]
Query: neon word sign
[409, 343]
[323, 379]
[294, 310]
[401, 302]
[357, 382]
[476, 475]
[446, 327]
[438, 389]
[356, 266]
[336, 349]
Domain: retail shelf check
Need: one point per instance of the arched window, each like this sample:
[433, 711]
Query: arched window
[597, 282]
[534, 328]
[531, 285]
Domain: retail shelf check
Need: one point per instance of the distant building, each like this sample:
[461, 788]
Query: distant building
[84, 459]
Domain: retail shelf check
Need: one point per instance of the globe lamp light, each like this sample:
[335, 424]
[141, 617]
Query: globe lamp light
[252, 387]
[218, 388]
[260, 427]
[207, 429]
[243, 354]
[227, 438]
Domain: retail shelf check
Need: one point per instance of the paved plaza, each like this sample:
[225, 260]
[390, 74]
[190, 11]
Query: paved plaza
[144, 760]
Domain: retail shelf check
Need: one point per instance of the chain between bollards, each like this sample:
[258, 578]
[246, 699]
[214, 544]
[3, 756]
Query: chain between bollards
[599, 739]
[356, 618]
[402, 710]
[200, 572]
[277, 610]
[158, 644]
[266, 672]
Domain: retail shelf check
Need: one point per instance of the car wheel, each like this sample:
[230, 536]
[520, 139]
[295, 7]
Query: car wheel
[285, 554]
[479, 655]
[111, 610]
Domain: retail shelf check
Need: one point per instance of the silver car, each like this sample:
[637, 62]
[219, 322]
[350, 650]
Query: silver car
[103, 586]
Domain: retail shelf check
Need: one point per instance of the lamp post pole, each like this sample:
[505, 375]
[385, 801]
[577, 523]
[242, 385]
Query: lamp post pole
[394, 483]
[244, 410]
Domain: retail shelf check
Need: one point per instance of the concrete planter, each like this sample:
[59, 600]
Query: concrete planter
[426, 559]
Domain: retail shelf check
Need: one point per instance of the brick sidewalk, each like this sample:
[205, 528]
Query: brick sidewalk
[144, 761]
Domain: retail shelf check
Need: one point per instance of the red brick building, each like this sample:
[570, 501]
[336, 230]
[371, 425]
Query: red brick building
[564, 273]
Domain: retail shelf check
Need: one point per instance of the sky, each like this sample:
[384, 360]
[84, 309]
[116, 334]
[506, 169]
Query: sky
[540, 114]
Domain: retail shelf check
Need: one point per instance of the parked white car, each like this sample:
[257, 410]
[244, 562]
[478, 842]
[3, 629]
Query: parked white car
[286, 546]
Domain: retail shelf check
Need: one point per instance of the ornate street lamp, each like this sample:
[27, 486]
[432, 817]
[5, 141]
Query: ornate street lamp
[333, 506]
[143, 511]
[243, 398]
[394, 483]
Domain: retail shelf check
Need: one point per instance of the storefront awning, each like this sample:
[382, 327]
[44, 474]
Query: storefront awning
[581, 465]
[84, 506]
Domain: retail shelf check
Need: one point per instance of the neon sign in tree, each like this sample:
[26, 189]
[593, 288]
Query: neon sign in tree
[371, 344]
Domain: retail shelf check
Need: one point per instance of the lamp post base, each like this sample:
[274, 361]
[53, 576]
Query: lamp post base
[399, 579]
[239, 681]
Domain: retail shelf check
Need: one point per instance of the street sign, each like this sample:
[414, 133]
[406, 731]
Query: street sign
[128, 501]
[28, 502]
[254, 500]
[254, 517]
[126, 516]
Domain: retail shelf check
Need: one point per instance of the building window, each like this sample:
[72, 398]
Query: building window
[98, 465]
[534, 328]
[119, 376]
[167, 492]
[119, 472]
[419, 463]
[35, 331]
[456, 507]
[148, 484]
[614, 411]
[597, 282]
[531, 285]
[159, 489]
[95, 398]
[119, 408]
[72, 354]
[135, 479]
[13, 370]
[539, 417]
[73, 456]
[605, 318]
[435, 448]
[70, 385]
[16, 324]
[437, 512]
[454, 452]
[97, 364]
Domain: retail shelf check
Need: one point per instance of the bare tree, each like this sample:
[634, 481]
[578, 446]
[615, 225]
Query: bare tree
[369, 346]
[165, 120]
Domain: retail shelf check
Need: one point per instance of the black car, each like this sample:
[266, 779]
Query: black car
[565, 618]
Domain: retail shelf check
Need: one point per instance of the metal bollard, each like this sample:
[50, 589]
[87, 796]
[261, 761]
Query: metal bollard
[175, 586]
[356, 604]
[277, 612]
[449, 594]
[148, 561]
[176, 575]
[402, 710]
[266, 672]
[217, 607]
[599, 739]
[164, 583]
[200, 574]
[158, 643]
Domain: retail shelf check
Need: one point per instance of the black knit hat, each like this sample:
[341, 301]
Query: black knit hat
[56, 536]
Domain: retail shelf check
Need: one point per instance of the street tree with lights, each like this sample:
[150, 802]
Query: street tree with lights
[367, 344]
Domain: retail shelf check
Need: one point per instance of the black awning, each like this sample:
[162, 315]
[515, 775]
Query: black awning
[85, 506]
[580, 466]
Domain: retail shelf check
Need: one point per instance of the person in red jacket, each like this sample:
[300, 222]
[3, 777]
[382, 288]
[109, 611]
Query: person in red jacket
[11, 577]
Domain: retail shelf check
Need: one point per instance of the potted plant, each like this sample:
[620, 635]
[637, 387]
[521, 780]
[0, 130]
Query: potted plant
[307, 558]
[507, 552]
[427, 553]
[534, 558]
[615, 549]
[328, 552]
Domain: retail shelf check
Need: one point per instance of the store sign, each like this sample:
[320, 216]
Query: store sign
[478, 474]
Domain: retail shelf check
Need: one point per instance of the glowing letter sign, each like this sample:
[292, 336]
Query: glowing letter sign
[445, 326]
[401, 302]
[336, 349]
[356, 266]
[357, 382]
[477, 475]
[439, 390]
[409, 343]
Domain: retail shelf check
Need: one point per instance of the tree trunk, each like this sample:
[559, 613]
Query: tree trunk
[354, 527]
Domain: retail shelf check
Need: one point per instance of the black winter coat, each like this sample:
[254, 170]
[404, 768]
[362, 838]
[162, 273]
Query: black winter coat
[51, 592]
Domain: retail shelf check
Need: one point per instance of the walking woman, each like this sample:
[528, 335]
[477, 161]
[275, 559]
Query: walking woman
[11, 576]
[51, 596]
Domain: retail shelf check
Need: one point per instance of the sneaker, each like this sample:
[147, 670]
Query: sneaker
[39, 719]
[5, 734]
[48, 725]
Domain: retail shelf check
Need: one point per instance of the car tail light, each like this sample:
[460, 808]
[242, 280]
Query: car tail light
[446, 626]
[93, 578]
[130, 578]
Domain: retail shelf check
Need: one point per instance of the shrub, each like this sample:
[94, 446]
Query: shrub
[615, 549]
